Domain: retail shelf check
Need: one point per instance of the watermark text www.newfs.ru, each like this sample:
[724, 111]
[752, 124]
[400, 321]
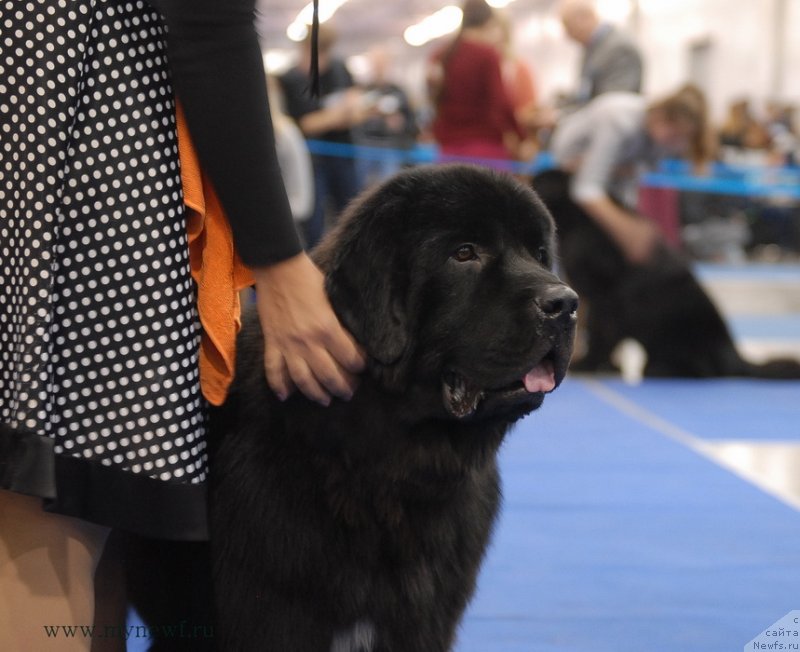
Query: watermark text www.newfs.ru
[181, 630]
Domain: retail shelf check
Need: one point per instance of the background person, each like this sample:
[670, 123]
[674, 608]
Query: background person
[392, 126]
[328, 118]
[607, 245]
[611, 60]
[474, 114]
[604, 145]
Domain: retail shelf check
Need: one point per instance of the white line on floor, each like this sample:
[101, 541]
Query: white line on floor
[716, 452]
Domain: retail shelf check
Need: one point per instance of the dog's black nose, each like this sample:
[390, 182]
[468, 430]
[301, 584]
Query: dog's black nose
[557, 300]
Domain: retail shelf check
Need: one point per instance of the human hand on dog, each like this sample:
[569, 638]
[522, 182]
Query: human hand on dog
[305, 346]
[636, 236]
[638, 240]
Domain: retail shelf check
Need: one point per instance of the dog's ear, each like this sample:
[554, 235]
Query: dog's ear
[366, 276]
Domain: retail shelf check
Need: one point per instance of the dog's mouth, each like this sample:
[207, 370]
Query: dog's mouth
[462, 397]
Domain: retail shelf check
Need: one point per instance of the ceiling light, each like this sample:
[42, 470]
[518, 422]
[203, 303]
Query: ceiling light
[278, 61]
[443, 22]
[614, 11]
[298, 30]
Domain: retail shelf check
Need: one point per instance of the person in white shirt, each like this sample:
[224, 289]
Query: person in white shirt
[604, 145]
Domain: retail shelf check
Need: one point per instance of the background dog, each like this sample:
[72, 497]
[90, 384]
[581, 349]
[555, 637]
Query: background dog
[362, 526]
[660, 304]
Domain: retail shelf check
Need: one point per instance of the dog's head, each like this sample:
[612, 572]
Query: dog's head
[445, 276]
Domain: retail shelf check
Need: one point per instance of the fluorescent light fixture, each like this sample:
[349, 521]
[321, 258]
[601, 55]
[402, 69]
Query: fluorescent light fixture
[615, 11]
[443, 22]
[298, 30]
[278, 61]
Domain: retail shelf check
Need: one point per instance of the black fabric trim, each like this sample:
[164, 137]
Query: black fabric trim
[314, 72]
[101, 494]
[27, 463]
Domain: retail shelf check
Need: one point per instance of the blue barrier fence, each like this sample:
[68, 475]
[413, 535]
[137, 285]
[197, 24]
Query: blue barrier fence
[748, 181]
[421, 154]
[763, 182]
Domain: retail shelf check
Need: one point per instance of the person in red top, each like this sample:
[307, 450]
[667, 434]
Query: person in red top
[474, 115]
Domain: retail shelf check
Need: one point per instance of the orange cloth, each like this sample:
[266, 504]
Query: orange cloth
[216, 269]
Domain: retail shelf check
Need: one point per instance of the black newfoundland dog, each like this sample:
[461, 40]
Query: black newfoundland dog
[361, 527]
[660, 304]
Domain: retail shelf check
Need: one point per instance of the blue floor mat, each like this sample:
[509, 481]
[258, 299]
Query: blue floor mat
[616, 538]
[762, 272]
[722, 408]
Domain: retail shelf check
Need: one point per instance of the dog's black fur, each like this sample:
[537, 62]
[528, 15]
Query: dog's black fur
[660, 304]
[361, 526]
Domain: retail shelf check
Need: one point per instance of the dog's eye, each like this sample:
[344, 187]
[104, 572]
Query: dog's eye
[465, 253]
[543, 256]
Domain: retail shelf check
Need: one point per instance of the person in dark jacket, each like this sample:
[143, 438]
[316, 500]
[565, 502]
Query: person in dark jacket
[611, 60]
[328, 118]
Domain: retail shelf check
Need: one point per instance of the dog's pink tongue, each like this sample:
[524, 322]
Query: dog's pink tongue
[541, 378]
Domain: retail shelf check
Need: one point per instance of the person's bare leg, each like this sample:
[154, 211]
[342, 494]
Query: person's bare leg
[47, 566]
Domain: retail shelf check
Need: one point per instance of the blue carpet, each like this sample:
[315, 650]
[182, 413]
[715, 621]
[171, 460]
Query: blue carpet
[615, 538]
[722, 409]
[761, 272]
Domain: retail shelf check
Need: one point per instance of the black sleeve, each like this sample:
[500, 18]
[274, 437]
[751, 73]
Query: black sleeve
[299, 101]
[218, 75]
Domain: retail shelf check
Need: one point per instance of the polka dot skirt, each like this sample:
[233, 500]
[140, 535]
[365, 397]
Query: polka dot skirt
[99, 334]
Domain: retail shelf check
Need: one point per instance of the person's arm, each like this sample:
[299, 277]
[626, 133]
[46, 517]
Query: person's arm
[526, 87]
[634, 235]
[315, 117]
[305, 345]
[488, 67]
[218, 76]
[346, 113]
[588, 144]
[499, 98]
